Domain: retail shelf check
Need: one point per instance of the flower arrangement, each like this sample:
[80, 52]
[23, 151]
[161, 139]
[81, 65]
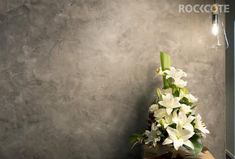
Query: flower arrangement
[172, 117]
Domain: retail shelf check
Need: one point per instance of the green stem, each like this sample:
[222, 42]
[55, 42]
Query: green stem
[165, 64]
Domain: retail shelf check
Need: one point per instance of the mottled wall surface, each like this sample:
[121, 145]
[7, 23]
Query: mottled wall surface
[77, 77]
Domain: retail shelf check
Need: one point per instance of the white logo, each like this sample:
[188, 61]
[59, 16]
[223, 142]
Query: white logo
[204, 8]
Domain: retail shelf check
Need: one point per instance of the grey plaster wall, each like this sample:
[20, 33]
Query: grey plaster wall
[77, 77]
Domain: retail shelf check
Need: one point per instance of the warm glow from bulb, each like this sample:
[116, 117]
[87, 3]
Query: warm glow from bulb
[215, 29]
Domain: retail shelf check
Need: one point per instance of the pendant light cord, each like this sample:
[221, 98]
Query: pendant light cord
[225, 35]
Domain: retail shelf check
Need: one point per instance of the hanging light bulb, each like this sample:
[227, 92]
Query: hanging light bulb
[215, 29]
[215, 24]
[215, 19]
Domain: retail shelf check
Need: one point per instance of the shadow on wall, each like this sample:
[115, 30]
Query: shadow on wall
[141, 106]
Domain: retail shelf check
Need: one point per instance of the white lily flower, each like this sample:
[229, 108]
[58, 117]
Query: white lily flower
[174, 123]
[179, 137]
[153, 107]
[190, 97]
[153, 136]
[183, 121]
[154, 126]
[185, 109]
[200, 125]
[180, 83]
[158, 112]
[170, 102]
[175, 73]
[166, 121]
[161, 115]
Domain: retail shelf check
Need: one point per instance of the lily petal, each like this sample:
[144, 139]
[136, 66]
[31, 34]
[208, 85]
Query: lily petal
[189, 127]
[186, 134]
[172, 133]
[167, 141]
[169, 110]
[178, 143]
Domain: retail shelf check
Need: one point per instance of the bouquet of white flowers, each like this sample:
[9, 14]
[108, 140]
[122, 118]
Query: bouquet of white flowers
[172, 117]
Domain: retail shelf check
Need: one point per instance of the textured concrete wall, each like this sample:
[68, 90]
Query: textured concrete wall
[77, 77]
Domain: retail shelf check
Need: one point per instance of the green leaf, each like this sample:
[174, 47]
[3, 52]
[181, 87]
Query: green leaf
[197, 143]
[159, 93]
[165, 60]
[185, 101]
[136, 138]
[165, 64]
[175, 91]
[173, 125]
